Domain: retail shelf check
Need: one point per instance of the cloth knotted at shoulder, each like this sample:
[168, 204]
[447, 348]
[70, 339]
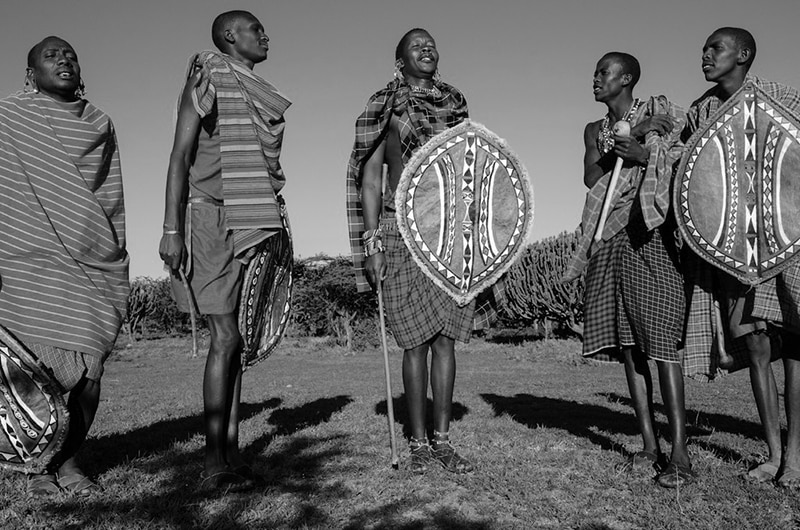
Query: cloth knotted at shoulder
[420, 117]
[250, 113]
[651, 185]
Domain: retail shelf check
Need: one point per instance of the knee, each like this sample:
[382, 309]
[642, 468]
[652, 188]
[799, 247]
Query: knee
[758, 348]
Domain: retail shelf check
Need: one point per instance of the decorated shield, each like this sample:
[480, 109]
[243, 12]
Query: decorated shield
[33, 415]
[737, 192]
[266, 295]
[465, 208]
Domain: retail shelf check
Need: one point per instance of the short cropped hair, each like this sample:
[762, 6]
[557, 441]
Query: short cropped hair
[33, 54]
[398, 52]
[630, 65]
[224, 22]
[743, 39]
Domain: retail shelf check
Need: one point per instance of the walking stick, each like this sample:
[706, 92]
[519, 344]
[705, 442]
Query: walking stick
[192, 315]
[389, 403]
[621, 128]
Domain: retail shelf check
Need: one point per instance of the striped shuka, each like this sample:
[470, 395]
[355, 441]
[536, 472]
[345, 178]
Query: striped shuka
[63, 264]
[251, 126]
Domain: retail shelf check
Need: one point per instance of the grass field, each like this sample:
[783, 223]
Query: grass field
[544, 429]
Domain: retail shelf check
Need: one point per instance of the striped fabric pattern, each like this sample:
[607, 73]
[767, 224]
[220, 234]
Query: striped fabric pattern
[420, 119]
[63, 264]
[251, 128]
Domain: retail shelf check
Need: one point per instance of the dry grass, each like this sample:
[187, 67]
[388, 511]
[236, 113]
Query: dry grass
[543, 428]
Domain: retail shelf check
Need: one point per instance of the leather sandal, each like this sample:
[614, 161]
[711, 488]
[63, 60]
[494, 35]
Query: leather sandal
[676, 476]
[761, 473]
[78, 484]
[42, 485]
[420, 455]
[444, 452]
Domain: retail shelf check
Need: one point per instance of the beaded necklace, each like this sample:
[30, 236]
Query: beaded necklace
[425, 92]
[605, 138]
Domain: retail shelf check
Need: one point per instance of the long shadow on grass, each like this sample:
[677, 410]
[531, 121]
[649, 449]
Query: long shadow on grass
[301, 467]
[108, 451]
[459, 410]
[390, 517]
[579, 419]
[700, 434]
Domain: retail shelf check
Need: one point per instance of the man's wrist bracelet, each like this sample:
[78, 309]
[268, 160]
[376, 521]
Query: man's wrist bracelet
[171, 232]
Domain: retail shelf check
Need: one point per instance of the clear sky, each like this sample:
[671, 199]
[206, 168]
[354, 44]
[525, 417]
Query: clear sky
[524, 65]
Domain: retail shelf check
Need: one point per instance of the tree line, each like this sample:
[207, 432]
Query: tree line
[325, 302]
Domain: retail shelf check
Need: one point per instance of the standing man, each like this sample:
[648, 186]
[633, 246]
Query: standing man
[397, 120]
[63, 263]
[748, 312]
[635, 301]
[224, 178]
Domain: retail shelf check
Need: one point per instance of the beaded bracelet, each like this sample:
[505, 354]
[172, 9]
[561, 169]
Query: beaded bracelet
[373, 246]
[171, 232]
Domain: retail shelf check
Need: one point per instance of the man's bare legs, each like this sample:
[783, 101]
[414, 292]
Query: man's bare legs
[678, 471]
[640, 386]
[221, 395]
[765, 392]
[790, 471]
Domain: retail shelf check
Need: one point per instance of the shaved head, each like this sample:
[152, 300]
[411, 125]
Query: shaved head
[398, 52]
[629, 63]
[743, 39]
[224, 22]
[34, 52]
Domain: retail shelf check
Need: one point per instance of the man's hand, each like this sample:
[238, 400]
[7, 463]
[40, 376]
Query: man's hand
[375, 267]
[172, 250]
[627, 148]
[660, 124]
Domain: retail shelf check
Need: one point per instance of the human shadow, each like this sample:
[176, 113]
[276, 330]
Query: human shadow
[110, 450]
[302, 464]
[388, 517]
[579, 419]
[458, 411]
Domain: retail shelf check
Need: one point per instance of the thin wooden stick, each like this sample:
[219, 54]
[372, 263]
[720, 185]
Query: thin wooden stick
[389, 403]
[621, 128]
[192, 312]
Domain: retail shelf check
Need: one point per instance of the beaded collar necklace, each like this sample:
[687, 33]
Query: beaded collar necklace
[425, 92]
[605, 137]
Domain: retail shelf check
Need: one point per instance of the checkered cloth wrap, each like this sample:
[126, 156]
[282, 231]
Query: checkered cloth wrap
[68, 366]
[250, 113]
[417, 310]
[420, 119]
[651, 187]
[777, 300]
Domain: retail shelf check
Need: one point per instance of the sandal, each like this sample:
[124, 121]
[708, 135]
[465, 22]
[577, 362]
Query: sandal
[420, 455]
[761, 473]
[445, 453]
[42, 485]
[789, 479]
[78, 484]
[639, 460]
[676, 476]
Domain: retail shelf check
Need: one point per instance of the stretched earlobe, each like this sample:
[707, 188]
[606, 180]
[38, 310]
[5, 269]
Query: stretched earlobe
[30, 83]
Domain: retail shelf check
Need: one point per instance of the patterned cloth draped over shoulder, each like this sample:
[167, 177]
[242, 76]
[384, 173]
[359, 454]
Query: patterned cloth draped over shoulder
[651, 187]
[63, 263]
[251, 128]
[419, 120]
[776, 300]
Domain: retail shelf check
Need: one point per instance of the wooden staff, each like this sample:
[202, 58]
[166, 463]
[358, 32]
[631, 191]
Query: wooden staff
[389, 403]
[621, 128]
[192, 315]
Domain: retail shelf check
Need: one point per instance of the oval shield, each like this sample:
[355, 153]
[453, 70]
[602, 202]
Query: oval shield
[266, 295]
[736, 194]
[33, 414]
[465, 209]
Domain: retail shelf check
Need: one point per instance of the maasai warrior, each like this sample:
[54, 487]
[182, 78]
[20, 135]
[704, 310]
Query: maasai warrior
[747, 312]
[63, 264]
[634, 302]
[225, 157]
[398, 119]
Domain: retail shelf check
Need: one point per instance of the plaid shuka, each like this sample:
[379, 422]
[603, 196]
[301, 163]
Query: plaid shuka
[777, 300]
[652, 187]
[250, 114]
[419, 119]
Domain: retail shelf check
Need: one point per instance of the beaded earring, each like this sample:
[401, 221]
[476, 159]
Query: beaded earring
[30, 83]
[398, 69]
[437, 77]
[81, 90]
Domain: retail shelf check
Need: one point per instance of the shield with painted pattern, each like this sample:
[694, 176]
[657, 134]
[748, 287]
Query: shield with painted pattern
[267, 294]
[33, 415]
[465, 209]
[737, 190]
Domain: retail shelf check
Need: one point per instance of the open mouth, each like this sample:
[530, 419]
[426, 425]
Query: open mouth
[65, 75]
